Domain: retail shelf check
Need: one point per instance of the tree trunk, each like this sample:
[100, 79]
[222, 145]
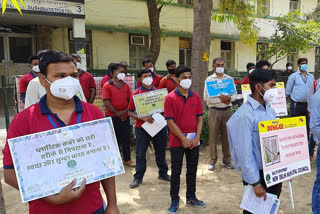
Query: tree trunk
[200, 44]
[154, 21]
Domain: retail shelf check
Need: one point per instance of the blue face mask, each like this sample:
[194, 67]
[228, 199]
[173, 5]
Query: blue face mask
[304, 67]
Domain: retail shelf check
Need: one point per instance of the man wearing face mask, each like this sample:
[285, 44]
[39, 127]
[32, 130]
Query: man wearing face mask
[116, 95]
[58, 108]
[183, 112]
[87, 82]
[250, 67]
[289, 70]
[243, 132]
[156, 78]
[25, 79]
[219, 114]
[170, 81]
[143, 138]
[129, 78]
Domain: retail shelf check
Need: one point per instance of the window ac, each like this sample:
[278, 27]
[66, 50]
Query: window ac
[137, 40]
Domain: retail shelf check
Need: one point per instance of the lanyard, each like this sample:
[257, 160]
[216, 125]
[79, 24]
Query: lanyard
[54, 124]
[305, 81]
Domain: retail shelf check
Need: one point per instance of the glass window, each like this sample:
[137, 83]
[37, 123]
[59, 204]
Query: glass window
[88, 46]
[293, 5]
[263, 7]
[1, 49]
[227, 53]
[185, 47]
[261, 51]
[138, 48]
[20, 49]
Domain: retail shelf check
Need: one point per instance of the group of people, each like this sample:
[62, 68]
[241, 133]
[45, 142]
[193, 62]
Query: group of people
[183, 112]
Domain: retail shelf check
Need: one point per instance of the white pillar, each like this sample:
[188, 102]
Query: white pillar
[79, 36]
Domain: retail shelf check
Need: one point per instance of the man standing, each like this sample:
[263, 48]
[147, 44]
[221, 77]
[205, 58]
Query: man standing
[244, 136]
[289, 69]
[219, 114]
[107, 77]
[25, 79]
[59, 108]
[87, 82]
[170, 81]
[264, 64]
[250, 67]
[129, 78]
[116, 95]
[183, 112]
[143, 138]
[156, 78]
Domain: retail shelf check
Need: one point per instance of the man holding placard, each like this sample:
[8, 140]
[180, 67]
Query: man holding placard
[58, 108]
[143, 138]
[219, 92]
[243, 132]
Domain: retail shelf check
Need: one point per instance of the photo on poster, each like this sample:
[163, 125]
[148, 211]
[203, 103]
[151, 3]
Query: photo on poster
[271, 150]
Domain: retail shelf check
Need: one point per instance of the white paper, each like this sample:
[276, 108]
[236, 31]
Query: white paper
[158, 124]
[253, 204]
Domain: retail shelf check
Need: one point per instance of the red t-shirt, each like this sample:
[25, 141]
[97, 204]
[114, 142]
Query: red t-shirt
[168, 83]
[87, 81]
[245, 80]
[156, 80]
[132, 107]
[24, 81]
[34, 119]
[119, 97]
[184, 112]
[105, 79]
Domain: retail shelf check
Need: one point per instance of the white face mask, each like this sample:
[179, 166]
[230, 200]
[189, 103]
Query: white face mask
[186, 83]
[121, 76]
[152, 69]
[64, 88]
[79, 66]
[290, 68]
[36, 68]
[220, 70]
[147, 81]
[250, 71]
[270, 95]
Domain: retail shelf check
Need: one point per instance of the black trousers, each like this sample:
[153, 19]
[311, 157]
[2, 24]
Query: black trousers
[300, 109]
[192, 157]
[275, 189]
[122, 130]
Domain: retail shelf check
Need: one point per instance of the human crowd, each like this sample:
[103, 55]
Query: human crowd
[58, 92]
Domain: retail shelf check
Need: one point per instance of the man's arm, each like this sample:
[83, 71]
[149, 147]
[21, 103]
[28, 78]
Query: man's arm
[109, 187]
[289, 85]
[11, 178]
[110, 107]
[198, 132]
[31, 94]
[315, 115]
[92, 95]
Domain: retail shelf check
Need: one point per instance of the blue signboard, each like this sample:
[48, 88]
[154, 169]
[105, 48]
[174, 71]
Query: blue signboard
[221, 87]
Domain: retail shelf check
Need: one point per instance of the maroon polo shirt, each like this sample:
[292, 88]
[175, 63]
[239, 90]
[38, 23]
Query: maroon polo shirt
[34, 119]
[183, 111]
[86, 81]
[24, 81]
[168, 83]
[104, 80]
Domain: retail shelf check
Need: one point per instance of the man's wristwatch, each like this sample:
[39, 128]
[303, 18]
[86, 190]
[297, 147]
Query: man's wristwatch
[256, 184]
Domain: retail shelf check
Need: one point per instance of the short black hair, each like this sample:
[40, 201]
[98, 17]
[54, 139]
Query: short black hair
[32, 58]
[182, 69]
[109, 69]
[144, 71]
[49, 56]
[115, 66]
[301, 60]
[250, 64]
[75, 56]
[289, 63]
[170, 62]
[262, 63]
[217, 59]
[260, 76]
[146, 60]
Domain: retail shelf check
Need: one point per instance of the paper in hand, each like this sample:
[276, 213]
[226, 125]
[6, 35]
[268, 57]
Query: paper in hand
[158, 124]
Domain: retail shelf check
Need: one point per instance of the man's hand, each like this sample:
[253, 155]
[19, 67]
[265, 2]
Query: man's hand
[260, 192]
[112, 210]
[123, 115]
[225, 99]
[148, 119]
[68, 194]
[194, 143]
[186, 143]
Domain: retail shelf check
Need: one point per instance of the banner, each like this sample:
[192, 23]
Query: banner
[150, 102]
[46, 162]
[284, 149]
[221, 87]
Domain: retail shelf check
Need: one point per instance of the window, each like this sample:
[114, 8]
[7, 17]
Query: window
[188, 2]
[138, 48]
[227, 53]
[261, 51]
[263, 7]
[293, 5]
[224, 6]
[1, 49]
[20, 49]
[88, 46]
[185, 47]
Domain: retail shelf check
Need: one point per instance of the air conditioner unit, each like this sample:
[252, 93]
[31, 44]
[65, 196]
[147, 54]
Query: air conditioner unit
[137, 40]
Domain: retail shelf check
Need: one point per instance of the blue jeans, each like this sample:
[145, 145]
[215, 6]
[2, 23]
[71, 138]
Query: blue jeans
[316, 187]
[159, 142]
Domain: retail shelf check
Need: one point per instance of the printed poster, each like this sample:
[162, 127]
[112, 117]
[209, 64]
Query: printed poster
[221, 87]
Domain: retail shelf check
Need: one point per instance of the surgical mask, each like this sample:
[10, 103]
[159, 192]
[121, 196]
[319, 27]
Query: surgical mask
[79, 66]
[220, 70]
[36, 68]
[304, 67]
[152, 69]
[270, 95]
[121, 76]
[172, 71]
[147, 81]
[64, 88]
[186, 83]
[250, 71]
[290, 68]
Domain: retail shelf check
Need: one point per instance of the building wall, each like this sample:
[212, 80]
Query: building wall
[243, 54]
[60, 40]
[169, 50]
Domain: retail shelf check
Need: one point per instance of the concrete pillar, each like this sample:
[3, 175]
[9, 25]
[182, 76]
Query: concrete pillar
[79, 37]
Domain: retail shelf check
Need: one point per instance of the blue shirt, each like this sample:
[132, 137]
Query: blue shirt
[298, 86]
[315, 116]
[244, 139]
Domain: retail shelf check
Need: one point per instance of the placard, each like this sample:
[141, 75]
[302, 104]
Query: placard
[246, 90]
[150, 102]
[221, 87]
[56, 157]
[284, 149]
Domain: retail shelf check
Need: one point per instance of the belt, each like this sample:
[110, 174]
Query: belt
[221, 109]
[298, 102]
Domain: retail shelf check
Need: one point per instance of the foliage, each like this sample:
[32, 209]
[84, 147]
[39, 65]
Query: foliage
[294, 33]
[205, 129]
[15, 4]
